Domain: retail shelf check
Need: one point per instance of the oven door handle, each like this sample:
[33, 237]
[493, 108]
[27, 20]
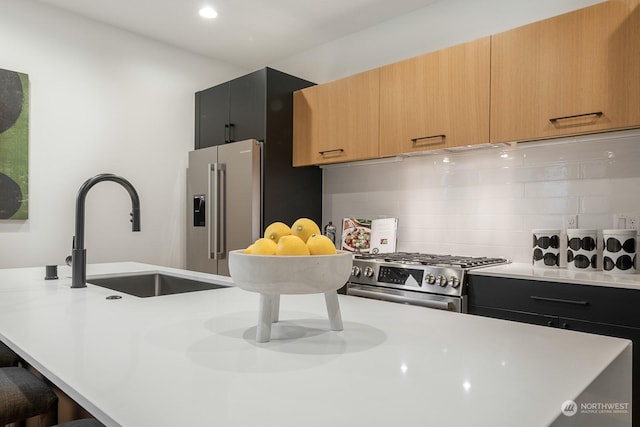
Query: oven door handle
[441, 305]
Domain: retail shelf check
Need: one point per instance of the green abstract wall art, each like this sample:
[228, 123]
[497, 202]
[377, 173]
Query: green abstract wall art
[14, 145]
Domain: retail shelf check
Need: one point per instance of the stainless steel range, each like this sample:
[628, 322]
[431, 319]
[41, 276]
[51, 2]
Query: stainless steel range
[435, 281]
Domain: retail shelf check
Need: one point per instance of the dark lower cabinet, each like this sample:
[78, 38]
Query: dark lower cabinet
[517, 316]
[593, 309]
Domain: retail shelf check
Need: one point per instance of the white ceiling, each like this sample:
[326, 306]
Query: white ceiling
[246, 33]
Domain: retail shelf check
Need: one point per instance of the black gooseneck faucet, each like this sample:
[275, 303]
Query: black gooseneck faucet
[79, 253]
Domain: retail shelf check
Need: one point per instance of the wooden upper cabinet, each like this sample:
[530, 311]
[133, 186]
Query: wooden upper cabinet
[437, 100]
[571, 74]
[337, 121]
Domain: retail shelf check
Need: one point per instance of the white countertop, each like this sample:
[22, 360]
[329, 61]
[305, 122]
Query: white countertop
[561, 275]
[191, 359]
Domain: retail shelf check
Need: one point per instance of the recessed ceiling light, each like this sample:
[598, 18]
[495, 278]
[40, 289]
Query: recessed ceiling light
[208, 12]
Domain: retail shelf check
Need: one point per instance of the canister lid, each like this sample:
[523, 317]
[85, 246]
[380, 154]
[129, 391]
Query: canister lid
[545, 231]
[581, 232]
[620, 231]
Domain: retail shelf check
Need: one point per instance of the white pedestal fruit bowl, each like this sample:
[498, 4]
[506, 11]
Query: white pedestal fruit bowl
[272, 276]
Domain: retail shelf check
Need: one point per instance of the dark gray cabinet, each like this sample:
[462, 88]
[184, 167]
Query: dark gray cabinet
[259, 106]
[212, 116]
[599, 304]
[594, 309]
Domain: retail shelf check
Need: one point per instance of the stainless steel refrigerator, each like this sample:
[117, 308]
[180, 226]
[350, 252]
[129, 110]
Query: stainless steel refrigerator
[224, 203]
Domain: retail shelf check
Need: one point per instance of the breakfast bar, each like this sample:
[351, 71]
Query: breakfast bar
[192, 359]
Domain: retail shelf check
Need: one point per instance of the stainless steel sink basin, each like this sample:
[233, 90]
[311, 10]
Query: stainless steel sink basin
[152, 284]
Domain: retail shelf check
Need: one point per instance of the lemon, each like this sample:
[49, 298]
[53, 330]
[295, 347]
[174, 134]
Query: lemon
[276, 230]
[320, 245]
[304, 227]
[249, 249]
[291, 245]
[264, 246]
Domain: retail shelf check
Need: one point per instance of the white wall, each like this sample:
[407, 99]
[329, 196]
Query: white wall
[102, 100]
[486, 202]
[441, 24]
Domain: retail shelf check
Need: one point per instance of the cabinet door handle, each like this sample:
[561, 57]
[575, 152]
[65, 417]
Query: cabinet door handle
[226, 133]
[231, 128]
[563, 301]
[554, 120]
[565, 325]
[550, 323]
[442, 137]
[335, 150]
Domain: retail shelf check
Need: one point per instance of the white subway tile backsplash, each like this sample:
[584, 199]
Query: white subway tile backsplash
[486, 202]
[591, 187]
[500, 221]
[547, 189]
[500, 191]
[421, 235]
[548, 152]
[548, 205]
[619, 167]
[594, 169]
[625, 195]
[595, 204]
[542, 221]
[498, 175]
[551, 172]
[595, 221]
[455, 179]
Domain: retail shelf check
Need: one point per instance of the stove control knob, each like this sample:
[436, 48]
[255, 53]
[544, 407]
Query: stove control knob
[453, 280]
[441, 280]
[355, 271]
[368, 272]
[430, 279]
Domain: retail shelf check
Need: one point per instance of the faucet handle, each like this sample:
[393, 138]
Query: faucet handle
[68, 260]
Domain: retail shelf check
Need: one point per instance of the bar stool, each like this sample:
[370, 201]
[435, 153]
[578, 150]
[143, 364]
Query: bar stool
[23, 395]
[7, 356]
[85, 422]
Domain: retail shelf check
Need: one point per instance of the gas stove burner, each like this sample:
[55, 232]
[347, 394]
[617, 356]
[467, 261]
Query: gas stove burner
[397, 256]
[431, 259]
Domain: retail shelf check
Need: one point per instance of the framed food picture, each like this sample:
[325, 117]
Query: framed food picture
[356, 234]
[14, 145]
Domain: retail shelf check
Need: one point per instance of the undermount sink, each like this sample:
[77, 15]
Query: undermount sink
[152, 284]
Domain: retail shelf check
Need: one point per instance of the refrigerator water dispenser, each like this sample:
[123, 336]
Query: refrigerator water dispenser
[199, 210]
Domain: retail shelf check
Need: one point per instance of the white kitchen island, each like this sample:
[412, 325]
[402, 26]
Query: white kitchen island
[191, 360]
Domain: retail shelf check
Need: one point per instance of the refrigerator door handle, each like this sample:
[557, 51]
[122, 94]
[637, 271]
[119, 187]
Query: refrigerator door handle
[212, 194]
[221, 209]
[211, 226]
[215, 234]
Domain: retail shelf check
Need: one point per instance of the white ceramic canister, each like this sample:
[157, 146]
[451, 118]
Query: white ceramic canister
[546, 248]
[619, 251]
[582, 249]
